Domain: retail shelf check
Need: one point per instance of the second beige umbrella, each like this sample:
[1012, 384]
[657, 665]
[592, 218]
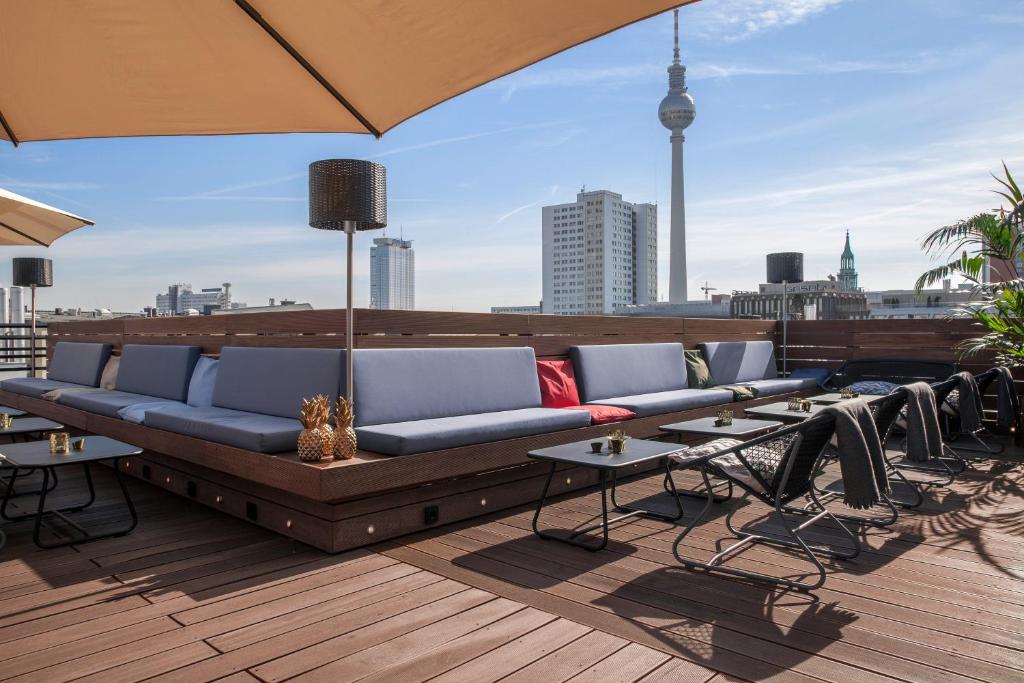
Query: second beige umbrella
[24, 221]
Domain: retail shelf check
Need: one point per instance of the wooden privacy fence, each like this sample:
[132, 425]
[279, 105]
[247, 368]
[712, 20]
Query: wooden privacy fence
[374, 329]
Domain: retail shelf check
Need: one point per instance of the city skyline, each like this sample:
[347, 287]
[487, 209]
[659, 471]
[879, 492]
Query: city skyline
[804, 130]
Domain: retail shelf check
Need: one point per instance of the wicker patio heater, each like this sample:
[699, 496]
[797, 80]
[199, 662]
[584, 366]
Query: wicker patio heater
[349, 195]
[32, 272]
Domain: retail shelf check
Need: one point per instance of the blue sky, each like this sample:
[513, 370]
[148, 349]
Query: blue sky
[813, 116]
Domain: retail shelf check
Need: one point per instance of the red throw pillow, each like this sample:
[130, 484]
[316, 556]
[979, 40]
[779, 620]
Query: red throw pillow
[557, 384]
[600, 415]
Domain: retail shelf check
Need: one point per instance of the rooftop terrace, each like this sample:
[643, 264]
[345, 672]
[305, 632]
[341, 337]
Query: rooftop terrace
[196, 595]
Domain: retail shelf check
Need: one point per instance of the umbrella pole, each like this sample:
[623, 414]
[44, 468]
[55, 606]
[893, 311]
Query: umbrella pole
[349, 313]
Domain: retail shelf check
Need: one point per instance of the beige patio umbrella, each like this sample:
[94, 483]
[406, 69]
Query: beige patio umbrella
[111, 68]
[26, 222]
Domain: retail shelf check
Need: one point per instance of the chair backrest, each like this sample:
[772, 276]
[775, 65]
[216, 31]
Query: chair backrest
[78, 363]
[613, 370]
[161, 370]
[795, 448]
[897, 371]
[943, 389]
[985, 380]
[273, 381]
[740, 361]
[402, 385]
[886, 410]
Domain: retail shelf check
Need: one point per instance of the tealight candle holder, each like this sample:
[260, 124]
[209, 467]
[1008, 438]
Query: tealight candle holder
[795, 404]
[78, 444]
[59, 442]
[5, 421]
[724, 418]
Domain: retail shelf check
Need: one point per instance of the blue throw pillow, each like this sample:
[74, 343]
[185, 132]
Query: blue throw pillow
[200, 388]
[873, 387]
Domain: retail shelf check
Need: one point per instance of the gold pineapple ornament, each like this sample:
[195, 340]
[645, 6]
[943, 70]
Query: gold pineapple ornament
[344, 434]
[316, 439]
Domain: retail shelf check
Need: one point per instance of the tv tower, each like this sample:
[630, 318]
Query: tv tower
[676, 112]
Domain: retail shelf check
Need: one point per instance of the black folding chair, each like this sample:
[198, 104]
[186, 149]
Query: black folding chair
[985, 381]
[945, 468]
[775, 469]
[906, 494]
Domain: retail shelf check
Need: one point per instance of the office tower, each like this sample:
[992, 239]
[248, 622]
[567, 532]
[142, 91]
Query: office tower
[392, 274]
[599, 253]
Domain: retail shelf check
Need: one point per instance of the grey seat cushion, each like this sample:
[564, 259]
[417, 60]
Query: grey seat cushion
[608, 371]
[770, 387]
[668, 401]
[274, 381]
[742, 361]
[103, 402]
[419, 436]
[36, 386]
[251, 431]
[78, 363]
[402, 385]
[157, 370]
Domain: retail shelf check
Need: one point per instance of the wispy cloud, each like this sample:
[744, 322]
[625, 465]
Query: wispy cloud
[57, 186]
[733, 20]
[519, 209]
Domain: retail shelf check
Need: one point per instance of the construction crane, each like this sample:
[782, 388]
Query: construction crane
[707, 290]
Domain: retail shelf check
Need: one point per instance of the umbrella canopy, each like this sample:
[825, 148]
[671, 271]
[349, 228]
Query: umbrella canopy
[107, 68]
[24, 221]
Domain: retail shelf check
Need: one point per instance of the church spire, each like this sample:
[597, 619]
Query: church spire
[847, 267]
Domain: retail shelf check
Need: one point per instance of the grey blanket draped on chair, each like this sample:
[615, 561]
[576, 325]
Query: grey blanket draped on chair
[861, 461]
[924, 438]
[970, 403]
[1007, 402]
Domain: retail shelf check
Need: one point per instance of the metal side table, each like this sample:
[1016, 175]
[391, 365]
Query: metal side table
[608, 466]
[36, 454]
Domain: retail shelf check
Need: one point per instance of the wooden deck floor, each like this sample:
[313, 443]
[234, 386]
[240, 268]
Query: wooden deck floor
[192, 595]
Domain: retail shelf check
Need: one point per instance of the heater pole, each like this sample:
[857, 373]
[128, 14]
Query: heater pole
[350, 232]
[32, 335]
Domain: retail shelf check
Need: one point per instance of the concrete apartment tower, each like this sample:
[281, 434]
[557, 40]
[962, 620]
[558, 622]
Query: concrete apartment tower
[392, 274]
[600, 253]
[676, 112]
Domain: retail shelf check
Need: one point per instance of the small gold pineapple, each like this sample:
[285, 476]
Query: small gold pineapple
[344, 435]
[316, 440]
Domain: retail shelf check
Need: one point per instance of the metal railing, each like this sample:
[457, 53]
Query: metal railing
[16, 347]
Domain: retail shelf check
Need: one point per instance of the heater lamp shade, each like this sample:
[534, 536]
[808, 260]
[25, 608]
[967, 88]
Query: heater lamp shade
[30, 272]
[347, 191]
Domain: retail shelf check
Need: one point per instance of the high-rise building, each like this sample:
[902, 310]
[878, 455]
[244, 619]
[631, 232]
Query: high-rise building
[847, 267]
[676, 112]
[599, 253]
[392, 274]
[180, 299]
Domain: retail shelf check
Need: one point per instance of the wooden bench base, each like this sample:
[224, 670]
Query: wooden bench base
[386, 497]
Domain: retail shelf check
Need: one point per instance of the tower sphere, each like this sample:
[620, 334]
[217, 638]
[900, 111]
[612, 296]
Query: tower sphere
[677, 111]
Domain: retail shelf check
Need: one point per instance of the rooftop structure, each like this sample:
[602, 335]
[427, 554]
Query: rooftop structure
[522, 310]
[180, 299]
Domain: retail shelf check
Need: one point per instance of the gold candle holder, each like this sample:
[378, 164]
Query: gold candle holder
[724, 418]
[847, 392]
[5, 421]
[59, 442]
[795, 404]
[617, 442]
[78, 444]
[805, 405]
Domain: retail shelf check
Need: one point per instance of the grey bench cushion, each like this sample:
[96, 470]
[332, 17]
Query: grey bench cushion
[627, 370]
[402, 385]
[251, 431]
[661, 402]
[36, 386]
[419, 436]
[771, 387]
[274, 381]
[744, 361]
[162, 371]
[78, 363]
[103, 402]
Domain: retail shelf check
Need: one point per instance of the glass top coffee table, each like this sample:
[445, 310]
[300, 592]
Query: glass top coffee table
[608, 465]
[37, 455]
